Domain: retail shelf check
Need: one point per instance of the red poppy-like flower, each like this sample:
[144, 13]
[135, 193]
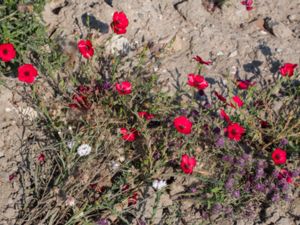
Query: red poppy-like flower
[287, 69]
[197, 81]
[183, 125]
[245, 84]
[146, 115]
[128, 135]
[220, 97]
[124, 88]
[237, 101]
[7, 52]
[86, 48]
[27, 73]
[119, 23]
[201, 61]
[286, 174]
[187, 164]
[224, 116]
[279, 156]
[235, 131]
[41, 158]
[132, 200]
[248, 4]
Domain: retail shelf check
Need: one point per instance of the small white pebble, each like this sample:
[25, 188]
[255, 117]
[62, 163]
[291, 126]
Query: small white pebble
[8, 109]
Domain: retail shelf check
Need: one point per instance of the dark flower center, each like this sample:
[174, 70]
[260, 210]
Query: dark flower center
[234, 132]
[277, 156]
[186, 166]
[26, 73]
[182, 127]
[5, 51]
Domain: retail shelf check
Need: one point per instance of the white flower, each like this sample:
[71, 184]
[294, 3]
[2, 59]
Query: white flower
[84, 150]
[70, 144]
[159, 184]
[70, 201]
[115, 165]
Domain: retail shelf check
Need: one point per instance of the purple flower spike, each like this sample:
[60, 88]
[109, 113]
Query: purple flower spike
[229, 184]
[284, 142]
[106, 85]
[236, 194]
[275, 197]
[228, 158]
[103, 221]
[220, 142]
[216, 208]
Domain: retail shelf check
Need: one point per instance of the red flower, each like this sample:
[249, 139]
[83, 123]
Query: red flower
[41, 158]
[245, 84]
[235, 131]
[220, 97]
[287, 69]
[119, 23]
[86, 48]
[123, 88]
[248, 4]
[279, 156]
[27, 73]
[197, 81]
[132, 200]
[286, 174]
[183, 125]
[224, 116]
[128, 135]
[238, 101]
[7, 52]
[201, 61]
[187, 164]
[146, 115]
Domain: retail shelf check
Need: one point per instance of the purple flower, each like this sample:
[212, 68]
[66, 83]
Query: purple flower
[228, 158]
[262, 164]
[284, 142]
[156, 155]
[106, 85]
[236, 194]
[260, 187]
[247, 186]
[259, 173]
[228, 210]
[241, 162]
[246, 157]
[296, 173]
[275, 197]
[103, 221]
[216, 208]
[220, 142]
[229, 184]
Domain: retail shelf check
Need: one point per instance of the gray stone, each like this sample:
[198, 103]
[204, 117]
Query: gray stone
[285, 221]
[282, 31]
[295, 207]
